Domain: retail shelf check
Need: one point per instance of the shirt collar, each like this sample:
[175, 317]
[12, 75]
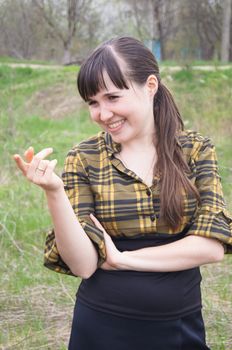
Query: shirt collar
[115, 147]
[112, 146]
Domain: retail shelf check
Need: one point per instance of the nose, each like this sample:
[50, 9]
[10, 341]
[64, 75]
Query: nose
[105, 113]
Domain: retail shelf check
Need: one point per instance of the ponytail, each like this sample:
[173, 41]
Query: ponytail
[171, 163]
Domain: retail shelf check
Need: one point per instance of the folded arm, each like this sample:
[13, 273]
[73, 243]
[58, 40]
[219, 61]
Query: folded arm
[186, 253]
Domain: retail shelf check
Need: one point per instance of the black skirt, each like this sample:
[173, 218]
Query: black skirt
[134, 310]
[98, 330]
[158, 296]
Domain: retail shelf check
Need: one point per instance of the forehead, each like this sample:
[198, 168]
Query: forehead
[109, 85]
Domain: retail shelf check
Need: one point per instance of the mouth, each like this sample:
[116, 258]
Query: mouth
[116, 125]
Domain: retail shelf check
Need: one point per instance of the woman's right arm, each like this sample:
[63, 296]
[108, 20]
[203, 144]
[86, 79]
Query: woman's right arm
[74, 246]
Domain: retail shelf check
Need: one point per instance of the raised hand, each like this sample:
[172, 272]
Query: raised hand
[39, 170]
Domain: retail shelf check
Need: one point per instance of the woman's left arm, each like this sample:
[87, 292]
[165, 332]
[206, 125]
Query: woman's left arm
[186, 253]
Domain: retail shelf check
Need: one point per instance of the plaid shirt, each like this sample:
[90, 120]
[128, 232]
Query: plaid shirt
[97, 182]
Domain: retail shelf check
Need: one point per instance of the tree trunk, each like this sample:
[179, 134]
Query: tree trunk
[157, 26]
[67, 55]
[225, 44]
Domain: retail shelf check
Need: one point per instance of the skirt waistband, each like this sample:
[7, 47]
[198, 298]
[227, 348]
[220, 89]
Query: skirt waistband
[145, 241]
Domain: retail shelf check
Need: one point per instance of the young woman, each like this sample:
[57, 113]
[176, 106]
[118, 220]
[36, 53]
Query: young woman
[138, 210]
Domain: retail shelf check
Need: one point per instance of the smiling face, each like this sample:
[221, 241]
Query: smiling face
[127, 114]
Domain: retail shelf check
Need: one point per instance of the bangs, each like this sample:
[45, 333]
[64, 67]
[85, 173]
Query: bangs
[90, 78]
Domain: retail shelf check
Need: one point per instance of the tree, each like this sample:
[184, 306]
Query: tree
[66, 30]
[165, 25]
[64, 19]
[201, 23]
[153, 19]
[19, 31]
[226, 29]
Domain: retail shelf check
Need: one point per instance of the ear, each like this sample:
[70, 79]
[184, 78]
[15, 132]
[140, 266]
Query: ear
[152, 85]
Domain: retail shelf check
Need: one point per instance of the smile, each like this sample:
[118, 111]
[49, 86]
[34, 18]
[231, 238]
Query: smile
[116, 124]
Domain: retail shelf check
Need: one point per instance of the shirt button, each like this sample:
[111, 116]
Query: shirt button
[148, 192]
[152, 217]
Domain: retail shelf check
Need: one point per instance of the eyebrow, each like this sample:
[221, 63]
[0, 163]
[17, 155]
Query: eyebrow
[105, 95]
[111, 93]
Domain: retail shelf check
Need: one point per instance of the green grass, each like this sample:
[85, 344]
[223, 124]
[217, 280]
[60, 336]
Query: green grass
[7, 59]
[190, 62]
[41, 108]
[166, 63]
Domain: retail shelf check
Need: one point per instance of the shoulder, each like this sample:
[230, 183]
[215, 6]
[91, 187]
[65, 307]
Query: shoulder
[91, 145]
[188, 138]
[193, 143]
[85, 153]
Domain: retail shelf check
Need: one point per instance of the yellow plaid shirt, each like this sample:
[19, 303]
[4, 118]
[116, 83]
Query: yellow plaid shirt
[97, 182]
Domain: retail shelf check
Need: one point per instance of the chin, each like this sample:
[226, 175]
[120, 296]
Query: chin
[120, 138]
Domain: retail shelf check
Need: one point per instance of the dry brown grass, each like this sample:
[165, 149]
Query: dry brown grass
[56, 102]
[51, 307]
[217, 303]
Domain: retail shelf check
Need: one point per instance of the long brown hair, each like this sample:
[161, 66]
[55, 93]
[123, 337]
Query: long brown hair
[127, 59]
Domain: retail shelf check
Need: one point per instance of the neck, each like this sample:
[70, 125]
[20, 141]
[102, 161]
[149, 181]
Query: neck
[138, 146]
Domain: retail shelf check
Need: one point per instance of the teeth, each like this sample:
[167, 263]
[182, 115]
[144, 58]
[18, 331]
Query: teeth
[116, 124]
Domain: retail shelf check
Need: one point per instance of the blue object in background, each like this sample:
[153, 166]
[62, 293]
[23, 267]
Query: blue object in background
[155, 47]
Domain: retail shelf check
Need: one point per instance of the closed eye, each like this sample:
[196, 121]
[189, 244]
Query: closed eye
[113, 97]
[91, 102]
[109, 97]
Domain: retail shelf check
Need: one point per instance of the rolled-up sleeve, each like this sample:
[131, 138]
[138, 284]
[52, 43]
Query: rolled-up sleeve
[78, 190]
[212, 219]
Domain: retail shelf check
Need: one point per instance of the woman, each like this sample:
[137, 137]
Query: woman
[139, 209]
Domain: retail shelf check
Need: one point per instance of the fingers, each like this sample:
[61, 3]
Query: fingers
[96, 222]
[44, 153]
[23, 166]
[37, 169]
[33, 161]
[43, 173]
[29, 154]
[50, 168]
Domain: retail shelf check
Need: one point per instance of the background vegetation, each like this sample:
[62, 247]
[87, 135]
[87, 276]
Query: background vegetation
[40, 107]
[65, 30]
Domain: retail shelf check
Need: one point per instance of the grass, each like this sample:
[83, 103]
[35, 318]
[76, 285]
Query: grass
[7, 59]
[41, 108]
[190, 62]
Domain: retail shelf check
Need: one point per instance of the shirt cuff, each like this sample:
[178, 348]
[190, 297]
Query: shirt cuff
[52, 258]
[97, 238]
[216, 225]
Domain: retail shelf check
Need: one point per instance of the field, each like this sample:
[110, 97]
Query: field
[40, 107]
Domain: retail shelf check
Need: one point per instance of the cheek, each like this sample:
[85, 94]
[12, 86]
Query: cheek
[94, 114]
